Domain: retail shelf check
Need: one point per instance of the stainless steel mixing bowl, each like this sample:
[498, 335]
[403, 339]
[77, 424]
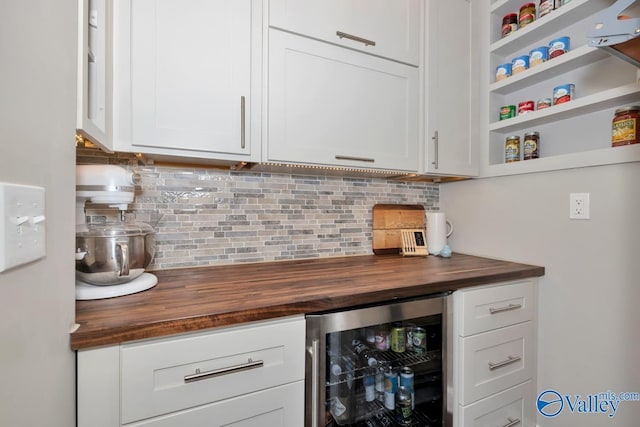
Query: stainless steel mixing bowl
[113, 253]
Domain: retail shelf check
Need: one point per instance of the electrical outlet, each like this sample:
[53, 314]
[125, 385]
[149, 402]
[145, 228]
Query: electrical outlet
[579, 206]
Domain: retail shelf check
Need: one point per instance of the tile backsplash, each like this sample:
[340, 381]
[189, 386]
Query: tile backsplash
[206, 216]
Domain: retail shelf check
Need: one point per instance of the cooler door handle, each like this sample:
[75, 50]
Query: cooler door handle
[314, 351]
[199, 376]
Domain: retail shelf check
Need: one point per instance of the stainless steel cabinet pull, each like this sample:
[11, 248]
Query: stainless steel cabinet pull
[507, 308]
[435, 149]
[358, 159]
[242, 122]
[315, 381]
[509, 361]
[199, 376]
[512, 422]
[355, 38]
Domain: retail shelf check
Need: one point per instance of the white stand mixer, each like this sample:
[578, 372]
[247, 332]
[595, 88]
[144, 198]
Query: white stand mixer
[110, 257]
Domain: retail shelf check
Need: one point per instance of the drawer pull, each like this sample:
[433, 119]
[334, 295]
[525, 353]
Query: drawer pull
[507, 308]
[199, 376]
[512, 422]
[355, 38]
[509, 361]
[357, 159]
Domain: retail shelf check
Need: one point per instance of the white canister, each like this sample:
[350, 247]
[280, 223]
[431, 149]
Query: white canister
[438, 229]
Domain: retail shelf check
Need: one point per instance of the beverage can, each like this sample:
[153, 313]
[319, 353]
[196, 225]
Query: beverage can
[382, 338]
[406, 380]
[398, 339]
[403, 406]
[409, 341]
[419, 340]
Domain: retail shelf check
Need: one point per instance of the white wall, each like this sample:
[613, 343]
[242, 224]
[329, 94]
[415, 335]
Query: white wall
[589, 299]
[37, 105]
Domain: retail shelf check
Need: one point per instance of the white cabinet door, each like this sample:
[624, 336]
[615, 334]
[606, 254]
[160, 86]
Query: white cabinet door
[334, 106]
[393, 26]
[190, 75]
[281, 406]
[95, 82]
[450, 114]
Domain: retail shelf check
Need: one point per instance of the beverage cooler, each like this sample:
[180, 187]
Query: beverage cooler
[382, 365]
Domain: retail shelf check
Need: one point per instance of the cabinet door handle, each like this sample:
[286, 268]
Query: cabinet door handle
[366, 42]
[358, 159]
[509, 361]
[242, 122]
[512, 422]
[199, 376]
[435, 149]
[506, 308]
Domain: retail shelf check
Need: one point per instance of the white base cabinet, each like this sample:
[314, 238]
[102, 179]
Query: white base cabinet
[494, 359]
[248, 375]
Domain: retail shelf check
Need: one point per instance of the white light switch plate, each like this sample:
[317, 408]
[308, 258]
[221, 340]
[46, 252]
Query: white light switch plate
[22, 224]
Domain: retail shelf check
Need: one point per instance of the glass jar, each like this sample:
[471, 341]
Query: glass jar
[624, 129]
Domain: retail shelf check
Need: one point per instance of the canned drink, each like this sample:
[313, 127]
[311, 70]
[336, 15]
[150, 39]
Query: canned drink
[563, 93]
[519, 64]
[398, 339]
[409, 341]
[538, 55]
[403, 407]
[406, 380]
[530, 146]
[512, 149]
[503, 71]
[558, 46]
[390, 387]
[369, 383]
[380, 383]
[507, 112]
[382, 338]
[543, 103]
[525, 107]
[419, 340]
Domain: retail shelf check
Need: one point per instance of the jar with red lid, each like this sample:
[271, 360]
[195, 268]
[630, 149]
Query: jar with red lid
[527, 14]
[624, 129]
[509, 24]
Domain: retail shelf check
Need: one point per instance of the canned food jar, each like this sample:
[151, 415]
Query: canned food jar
[559, 46]
[543, 103]
[538, 55]
[545, 7]
[509, 24]
[563, 93]
[420, 339]
[503, 71]
[525, 107]
[624, 129]
[519, 64]
[527, 14]
[530, 146]
[507, 112]
[512, 149]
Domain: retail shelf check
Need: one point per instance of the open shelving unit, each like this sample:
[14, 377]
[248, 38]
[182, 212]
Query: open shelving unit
[573, 134]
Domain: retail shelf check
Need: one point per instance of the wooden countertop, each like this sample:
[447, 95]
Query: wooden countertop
[191, 299]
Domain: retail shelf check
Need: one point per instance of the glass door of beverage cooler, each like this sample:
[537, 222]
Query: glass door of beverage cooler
[378, 366]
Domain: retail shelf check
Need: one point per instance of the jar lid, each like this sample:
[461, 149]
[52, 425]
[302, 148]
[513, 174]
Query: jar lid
[527, 5]
[628, 109]
[531, 134]
[511, 15]
[115, 229]
[513, 137]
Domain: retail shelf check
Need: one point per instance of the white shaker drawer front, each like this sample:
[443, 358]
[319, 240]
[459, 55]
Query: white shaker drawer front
[495, 307]
[281, 406]
[514, 407]
[168, 375]
[496, 360]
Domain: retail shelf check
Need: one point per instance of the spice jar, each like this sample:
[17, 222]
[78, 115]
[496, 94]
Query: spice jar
[624, 129]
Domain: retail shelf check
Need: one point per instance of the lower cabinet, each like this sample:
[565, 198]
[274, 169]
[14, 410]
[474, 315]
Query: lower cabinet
[247, 375]
[494, 340]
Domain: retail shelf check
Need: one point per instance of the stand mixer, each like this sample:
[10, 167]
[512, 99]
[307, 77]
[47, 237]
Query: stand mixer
[110, 257]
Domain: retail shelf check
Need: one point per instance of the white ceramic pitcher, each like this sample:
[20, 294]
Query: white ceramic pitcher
[438, 229]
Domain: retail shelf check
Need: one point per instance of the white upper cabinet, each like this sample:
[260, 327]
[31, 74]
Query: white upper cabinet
[94, 119]
[186, 78]
[450, 109]
[390, 29]
[338, 107]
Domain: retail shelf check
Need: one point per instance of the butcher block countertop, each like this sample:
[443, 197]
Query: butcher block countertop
[191, 299]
